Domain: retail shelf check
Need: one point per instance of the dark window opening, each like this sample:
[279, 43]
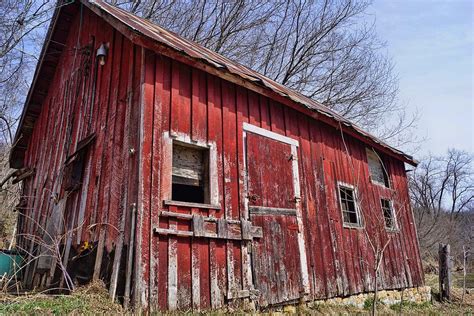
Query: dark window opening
[187, 193]
[190, 173]
[348, 206]
[74, 164]
[388, 215]
[377, 169]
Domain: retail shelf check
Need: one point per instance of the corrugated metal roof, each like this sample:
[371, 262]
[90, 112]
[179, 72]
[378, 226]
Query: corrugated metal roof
[198, 52]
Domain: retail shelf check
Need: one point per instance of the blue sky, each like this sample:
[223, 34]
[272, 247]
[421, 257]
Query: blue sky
[431, 43]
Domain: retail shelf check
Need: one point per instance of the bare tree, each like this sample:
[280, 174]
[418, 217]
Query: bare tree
[22, 28]
[324, 49]
[442, 194]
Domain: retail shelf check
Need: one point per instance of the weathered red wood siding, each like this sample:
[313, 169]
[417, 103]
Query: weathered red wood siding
[140, 97]
[76, 106]
[183, 100]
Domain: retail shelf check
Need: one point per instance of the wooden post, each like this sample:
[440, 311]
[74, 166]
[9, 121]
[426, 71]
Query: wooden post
[444, 272]
[464, 260]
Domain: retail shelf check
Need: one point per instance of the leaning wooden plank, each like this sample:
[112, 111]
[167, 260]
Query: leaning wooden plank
[117, 257]
[128, 271]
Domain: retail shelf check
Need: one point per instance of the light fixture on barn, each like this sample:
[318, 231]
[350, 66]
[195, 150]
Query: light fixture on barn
[102, 53]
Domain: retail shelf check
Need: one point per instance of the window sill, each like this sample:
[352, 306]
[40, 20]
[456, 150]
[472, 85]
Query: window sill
[191, 204]
[380, 184]
[352, 226]
[392, 230]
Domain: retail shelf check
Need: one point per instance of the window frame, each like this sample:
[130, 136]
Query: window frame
[185, 140]
[368, 152]
[394, 227]
[360, 220]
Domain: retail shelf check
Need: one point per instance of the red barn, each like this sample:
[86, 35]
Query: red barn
[185, 180]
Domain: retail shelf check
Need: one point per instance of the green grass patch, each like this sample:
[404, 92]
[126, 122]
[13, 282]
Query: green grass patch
[369, 302]
[58, 305]
[407, 305]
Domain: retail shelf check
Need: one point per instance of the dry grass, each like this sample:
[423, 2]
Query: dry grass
[94, 299]
[90, 299]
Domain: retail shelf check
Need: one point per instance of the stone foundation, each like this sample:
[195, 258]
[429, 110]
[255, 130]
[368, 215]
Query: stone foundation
[417, 295]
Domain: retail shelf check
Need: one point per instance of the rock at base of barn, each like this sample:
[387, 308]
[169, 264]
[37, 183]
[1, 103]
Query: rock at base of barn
[416, 295]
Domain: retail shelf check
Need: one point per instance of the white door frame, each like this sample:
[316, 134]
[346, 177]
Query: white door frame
[249, 128]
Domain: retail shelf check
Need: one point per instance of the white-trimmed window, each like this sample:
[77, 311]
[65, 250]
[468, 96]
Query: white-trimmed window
[388, 214]
[191, 172]
[349, 208]
[377, 170]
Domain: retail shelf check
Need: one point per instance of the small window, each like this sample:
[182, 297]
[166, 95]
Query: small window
[377, 170]
[350, 213]
[190, 173]
[388, 214]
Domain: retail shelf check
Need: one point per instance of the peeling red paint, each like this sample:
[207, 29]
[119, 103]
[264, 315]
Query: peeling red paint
[141, 101]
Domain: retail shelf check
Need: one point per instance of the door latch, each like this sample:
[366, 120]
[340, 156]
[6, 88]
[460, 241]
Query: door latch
[296, 199]
[292, 157]
[253, 197]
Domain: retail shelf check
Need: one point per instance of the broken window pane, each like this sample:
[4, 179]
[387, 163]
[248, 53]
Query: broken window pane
[388, 214]
[349, 210]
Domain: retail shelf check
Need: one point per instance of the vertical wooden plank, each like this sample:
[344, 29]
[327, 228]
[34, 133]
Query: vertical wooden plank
[118, 165]
[181, 89]
[102, 105]
[265, 119]
[155, 194]
[229, 134]
[277, 117]
[133, 139]
[173, 266]
[254, 108]
[293, 131]
[310, 206]
[243, 116]
[199, 106]
[101, 212]
[181, 98]
[200, 246]
[161, 186]
[195, 271]
[217, 248]
[144, 186]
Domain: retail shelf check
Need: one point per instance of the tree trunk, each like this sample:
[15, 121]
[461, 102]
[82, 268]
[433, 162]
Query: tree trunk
[376, 289]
